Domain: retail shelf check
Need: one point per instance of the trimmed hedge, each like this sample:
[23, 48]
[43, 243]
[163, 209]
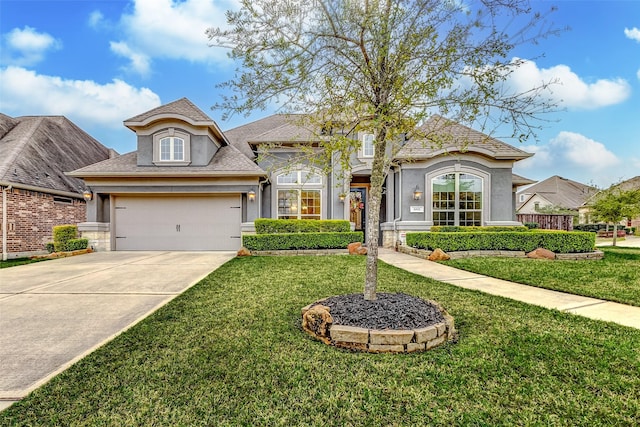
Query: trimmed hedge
[287, 241]
[63, 234]
[280, 226]
[555, 241]
[77, 244]
[476, 229]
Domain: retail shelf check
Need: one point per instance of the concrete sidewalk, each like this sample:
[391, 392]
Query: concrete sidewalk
[584, 306]
[53, 313]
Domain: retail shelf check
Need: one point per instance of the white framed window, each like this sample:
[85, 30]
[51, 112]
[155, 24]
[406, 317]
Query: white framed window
[457, 199]
[299, 195]
[171, 147]
[367, 145]
[522, 197]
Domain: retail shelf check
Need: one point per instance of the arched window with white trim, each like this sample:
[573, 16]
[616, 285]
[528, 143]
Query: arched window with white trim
[456, 199]
[299, 194]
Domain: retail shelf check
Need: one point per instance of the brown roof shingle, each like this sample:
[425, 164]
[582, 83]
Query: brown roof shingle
[38, 150]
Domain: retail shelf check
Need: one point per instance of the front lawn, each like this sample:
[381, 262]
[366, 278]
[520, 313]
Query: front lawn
[19, 261]
[229, 352]
[614, 278]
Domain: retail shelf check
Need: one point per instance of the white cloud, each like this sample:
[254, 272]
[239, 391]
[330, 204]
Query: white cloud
[96, 19]
[582, 151]
[570, 90]
[24, 92]
[633, 34]
[27, 46]
[171, 29]
[139, 62]
[638, 74]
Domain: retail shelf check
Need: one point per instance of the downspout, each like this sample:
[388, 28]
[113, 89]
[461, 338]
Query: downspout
[4, 221]
[395, 220]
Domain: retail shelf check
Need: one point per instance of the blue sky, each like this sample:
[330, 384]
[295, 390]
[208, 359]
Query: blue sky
[101, 62]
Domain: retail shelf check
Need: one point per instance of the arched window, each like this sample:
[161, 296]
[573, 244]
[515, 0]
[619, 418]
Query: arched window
[456, 199]
[299, 195]
[172, 149]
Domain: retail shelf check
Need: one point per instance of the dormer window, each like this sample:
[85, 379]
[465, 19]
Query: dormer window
[171, 148]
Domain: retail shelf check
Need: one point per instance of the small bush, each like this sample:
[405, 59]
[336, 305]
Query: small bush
[77, 244]
[279, 226]
[287, 241]
[532, 225]
[62, 233]
[476, 229]
[49, 246]
[555, 241]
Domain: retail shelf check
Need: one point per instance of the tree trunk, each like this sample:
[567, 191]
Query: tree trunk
[615, 233]
[373, 217]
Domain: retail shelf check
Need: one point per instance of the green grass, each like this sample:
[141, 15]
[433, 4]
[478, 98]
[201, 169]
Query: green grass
[614, 278]
[19, 261]
[229, 352]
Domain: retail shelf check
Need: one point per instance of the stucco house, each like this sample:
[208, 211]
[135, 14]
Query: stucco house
[35, 153]
[190, 186]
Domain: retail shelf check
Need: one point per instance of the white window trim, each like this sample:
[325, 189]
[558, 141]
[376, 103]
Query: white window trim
[366, 139]
[172, 133]
[486, 189]
[321, 187]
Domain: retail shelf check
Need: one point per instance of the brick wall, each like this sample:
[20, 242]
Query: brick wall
[31, 216]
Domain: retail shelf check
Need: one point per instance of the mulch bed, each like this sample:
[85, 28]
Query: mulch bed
[388, 311]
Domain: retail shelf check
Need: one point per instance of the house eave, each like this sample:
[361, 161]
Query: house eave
[210, 124]
[163, 174]
[41, 189]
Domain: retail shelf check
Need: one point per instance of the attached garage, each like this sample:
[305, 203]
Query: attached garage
[178, 223]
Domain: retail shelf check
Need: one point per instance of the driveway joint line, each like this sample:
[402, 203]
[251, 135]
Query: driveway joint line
[578, 307]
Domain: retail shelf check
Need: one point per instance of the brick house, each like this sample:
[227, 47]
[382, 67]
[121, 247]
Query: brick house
[36, 151]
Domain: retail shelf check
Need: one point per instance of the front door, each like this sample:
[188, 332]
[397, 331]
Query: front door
[358, 208]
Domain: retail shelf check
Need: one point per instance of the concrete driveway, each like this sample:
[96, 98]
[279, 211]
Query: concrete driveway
[53, 313]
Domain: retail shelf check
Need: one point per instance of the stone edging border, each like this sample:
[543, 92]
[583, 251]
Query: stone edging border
[301, 252]
[424, 253]
[387, 340]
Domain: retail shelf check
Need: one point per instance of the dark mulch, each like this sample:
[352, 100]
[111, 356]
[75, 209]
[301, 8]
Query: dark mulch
[388, 311]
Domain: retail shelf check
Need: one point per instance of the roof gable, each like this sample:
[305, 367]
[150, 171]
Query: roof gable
[442, 136]
[38, 150]
[561, 192]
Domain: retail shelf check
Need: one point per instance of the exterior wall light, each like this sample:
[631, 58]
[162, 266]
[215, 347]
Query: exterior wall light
[342, 197]
[417, 194]
[88, 195]
[251, 195]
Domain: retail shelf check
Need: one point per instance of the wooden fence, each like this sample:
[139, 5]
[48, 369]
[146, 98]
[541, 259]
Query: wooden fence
[548, 221]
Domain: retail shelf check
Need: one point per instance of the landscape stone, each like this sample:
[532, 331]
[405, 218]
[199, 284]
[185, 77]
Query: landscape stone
[349, 334]
[356, 248]
[390, 337]
[317, 321]
[541, 253]
[383, 348]
[244, 252]
[426, 334]
[438, 255]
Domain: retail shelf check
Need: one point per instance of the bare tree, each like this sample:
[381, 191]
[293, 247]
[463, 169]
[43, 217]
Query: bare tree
[382, 67]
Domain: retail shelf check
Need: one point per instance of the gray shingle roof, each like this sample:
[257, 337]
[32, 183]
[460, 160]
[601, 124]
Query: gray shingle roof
[518, 180]
[277, 128]
[443, 135]
[561, 192]
[228, 161]
[38, 150]
[182, 107]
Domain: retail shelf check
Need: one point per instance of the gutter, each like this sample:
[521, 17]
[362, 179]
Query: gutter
[41, 189]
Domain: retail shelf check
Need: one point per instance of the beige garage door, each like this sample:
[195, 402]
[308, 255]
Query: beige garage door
[185, 223]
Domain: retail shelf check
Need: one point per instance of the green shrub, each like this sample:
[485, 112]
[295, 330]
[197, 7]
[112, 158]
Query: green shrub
[278, 226]
[49, 246]
[77, 244]
[62, 234]
[532, 225]
[477, 229]
[555, 241]
[286, 241]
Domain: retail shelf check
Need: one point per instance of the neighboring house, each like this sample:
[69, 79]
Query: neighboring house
[189, 186]
[555, 192]
[36, 151]
[630, 184]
